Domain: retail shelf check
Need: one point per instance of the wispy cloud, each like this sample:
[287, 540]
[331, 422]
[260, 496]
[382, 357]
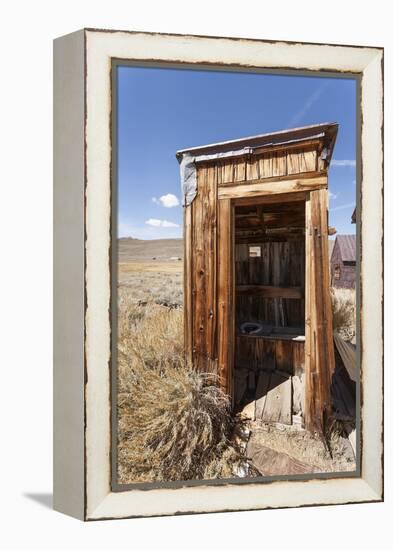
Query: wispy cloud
[160, 223]
[333, 196]
[343, 206]
[351, 163]
[297, 117]
[168, 201]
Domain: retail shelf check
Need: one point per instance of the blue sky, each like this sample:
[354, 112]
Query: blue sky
[163, 110]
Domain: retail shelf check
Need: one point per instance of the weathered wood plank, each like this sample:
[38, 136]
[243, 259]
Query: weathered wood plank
[278, 402]
[302, 160]
[347, 352]
[202, 240]
[210, 232]
[271, 291]
[298, 357]
[262, 188]
[187, 284]
[252, 168]
[273, 463]
[228, 182]
[319, 335]
[227, 172]
[286, 401]
[271, 199]
[311, 144]
[268, 361]
[239, 169]
[261, 394]
[284, 356]
[199, 289]
[225, 298]
[309, 321]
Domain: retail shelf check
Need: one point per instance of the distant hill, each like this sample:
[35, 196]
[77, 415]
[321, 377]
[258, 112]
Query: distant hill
[160, 249]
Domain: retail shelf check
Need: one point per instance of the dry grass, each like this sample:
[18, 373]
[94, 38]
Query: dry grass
[174, 423]
[159, 282]
[344, 312]
[173, 266]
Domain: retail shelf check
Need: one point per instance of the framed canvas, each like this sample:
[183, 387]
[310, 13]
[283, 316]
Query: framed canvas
[218, 341]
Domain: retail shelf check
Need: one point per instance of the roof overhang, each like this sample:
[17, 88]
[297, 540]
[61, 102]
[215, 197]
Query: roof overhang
[324, 136]
[326, 133]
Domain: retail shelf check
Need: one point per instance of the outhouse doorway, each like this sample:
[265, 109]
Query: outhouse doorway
[269, 282]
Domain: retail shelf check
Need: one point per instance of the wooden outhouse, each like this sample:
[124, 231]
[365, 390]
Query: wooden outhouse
[256, 275]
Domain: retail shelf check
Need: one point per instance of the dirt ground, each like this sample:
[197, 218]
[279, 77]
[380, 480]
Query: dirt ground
[305, 447]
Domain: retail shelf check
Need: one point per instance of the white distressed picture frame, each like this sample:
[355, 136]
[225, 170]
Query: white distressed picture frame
[82, 335]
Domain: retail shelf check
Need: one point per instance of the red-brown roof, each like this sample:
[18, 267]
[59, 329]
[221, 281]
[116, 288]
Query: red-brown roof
[347, 245]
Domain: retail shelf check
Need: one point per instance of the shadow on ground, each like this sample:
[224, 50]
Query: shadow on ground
[45, 499]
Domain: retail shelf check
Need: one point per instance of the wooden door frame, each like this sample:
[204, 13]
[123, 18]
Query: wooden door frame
[319, 350]
[226, 292]
[226, 295]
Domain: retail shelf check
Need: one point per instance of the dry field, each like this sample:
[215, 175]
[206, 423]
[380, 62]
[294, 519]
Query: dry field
[156, 282]
[174, 424]
[151, 271]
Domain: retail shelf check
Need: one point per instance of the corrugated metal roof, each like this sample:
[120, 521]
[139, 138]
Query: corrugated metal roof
[347, 244]
[327, 130]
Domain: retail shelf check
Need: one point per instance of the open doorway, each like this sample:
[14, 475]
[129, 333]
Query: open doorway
[270, 308]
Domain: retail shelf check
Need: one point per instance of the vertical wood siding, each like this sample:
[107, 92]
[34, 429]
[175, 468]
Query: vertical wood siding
[280, 264]
[201, 273]
[268, 164]
[319, 328]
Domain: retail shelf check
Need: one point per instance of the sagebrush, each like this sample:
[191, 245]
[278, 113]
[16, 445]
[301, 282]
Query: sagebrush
[344, 312]
[174, 423]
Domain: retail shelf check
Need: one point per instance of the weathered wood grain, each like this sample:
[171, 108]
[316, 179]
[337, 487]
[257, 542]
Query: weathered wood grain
[210, 233]
[278, 406]
[188, 283]
[225, 295]
[201, 273]
[300, 196]
[284, 356]
[261, 393]
[319, 333]
[347, 352]
[270, 291]
[262, 188]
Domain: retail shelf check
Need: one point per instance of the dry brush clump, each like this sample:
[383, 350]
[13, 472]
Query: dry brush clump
[174, 423]
[344, 312]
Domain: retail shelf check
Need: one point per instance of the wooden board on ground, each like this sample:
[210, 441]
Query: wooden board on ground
[261, 393]
[273, 463]
[275, 401]
[347, 352]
